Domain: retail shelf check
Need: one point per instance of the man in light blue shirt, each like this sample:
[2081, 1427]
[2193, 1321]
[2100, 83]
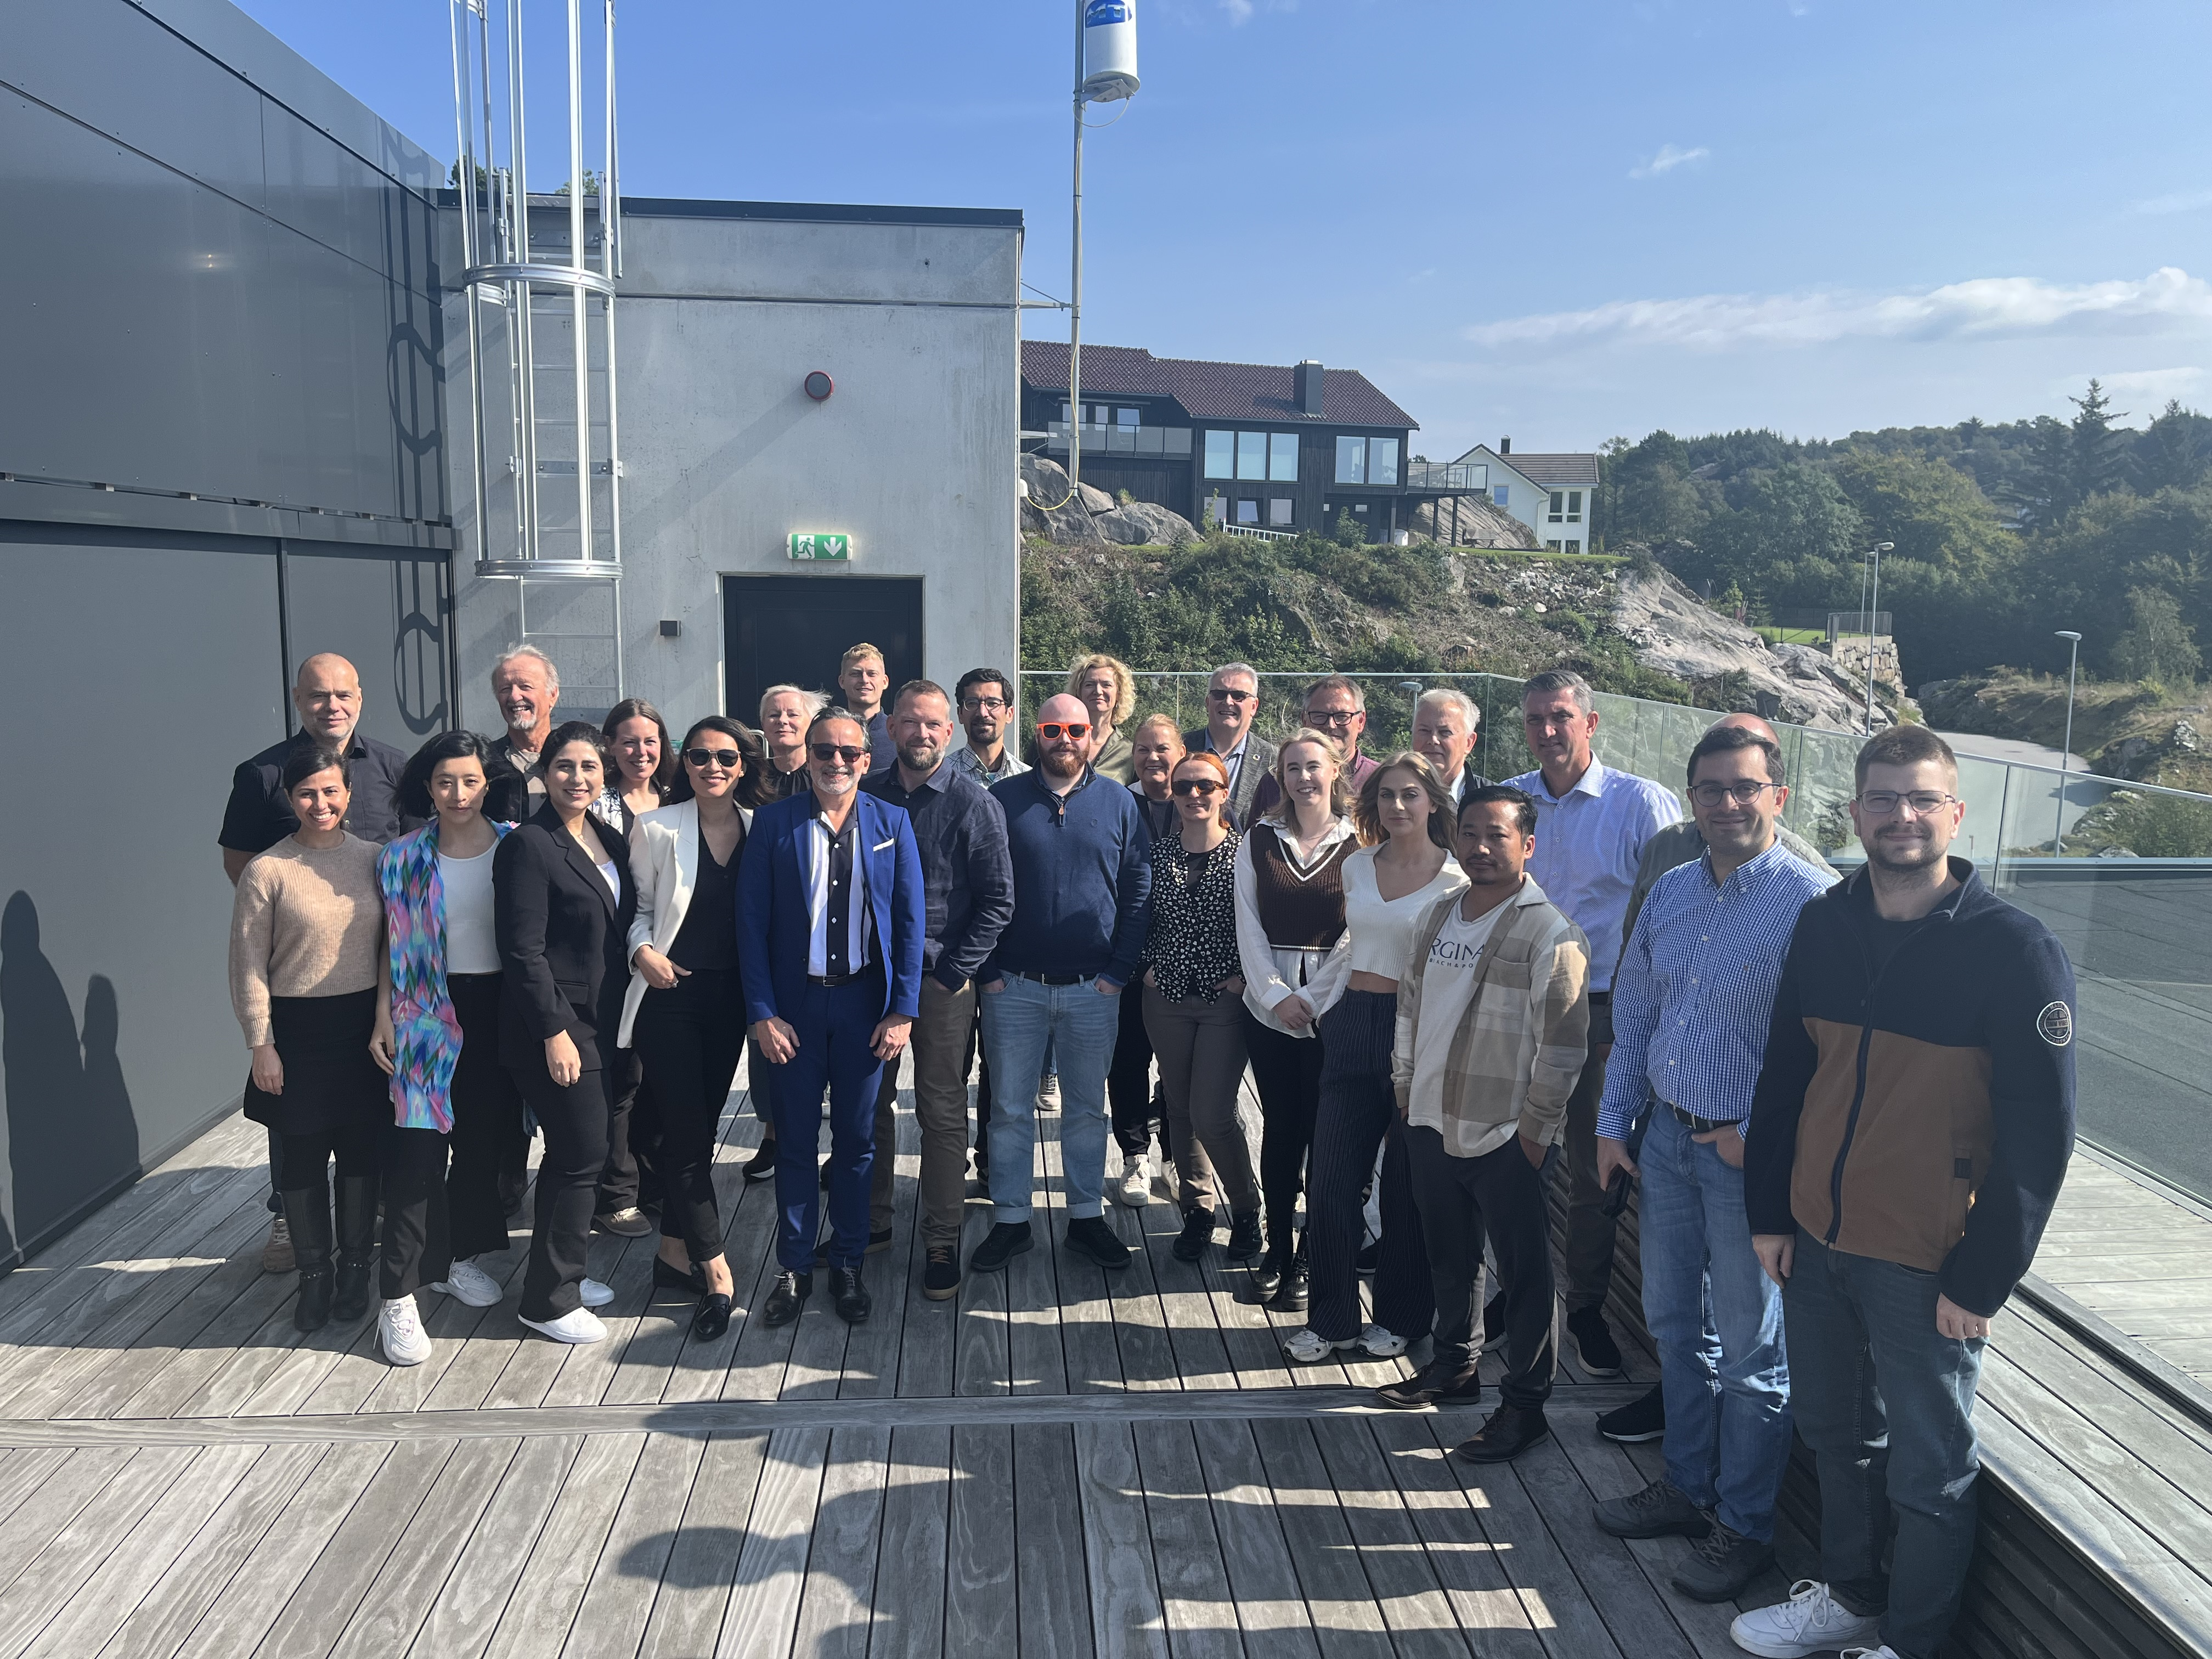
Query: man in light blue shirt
[1692, 1007]
[1591, 825]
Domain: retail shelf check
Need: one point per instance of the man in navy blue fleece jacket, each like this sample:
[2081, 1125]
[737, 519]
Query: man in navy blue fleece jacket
[1083, 879]
[1909, 1132]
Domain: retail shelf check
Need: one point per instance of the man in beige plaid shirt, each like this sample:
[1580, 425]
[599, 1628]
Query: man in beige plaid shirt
[1493, 1015]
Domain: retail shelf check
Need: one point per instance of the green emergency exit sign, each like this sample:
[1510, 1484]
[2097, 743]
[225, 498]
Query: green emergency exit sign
[817, 546]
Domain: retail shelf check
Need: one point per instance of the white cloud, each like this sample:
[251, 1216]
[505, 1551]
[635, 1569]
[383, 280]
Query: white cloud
[1986, 307]
[1669, 157]
[1240, 11]
[2180, 201]
[2144, 390]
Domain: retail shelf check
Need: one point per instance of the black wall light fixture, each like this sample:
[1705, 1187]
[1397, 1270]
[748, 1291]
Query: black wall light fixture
[819, 385]
[670, 630]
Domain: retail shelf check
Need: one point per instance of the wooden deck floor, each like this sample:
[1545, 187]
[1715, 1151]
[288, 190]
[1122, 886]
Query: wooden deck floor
[1055, 1464]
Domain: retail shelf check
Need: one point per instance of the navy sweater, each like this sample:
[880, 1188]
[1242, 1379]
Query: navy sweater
[1918, 1110]
[1083, 880]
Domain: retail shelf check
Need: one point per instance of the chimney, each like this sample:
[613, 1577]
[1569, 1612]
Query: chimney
[1506, 446]
[1306, 379]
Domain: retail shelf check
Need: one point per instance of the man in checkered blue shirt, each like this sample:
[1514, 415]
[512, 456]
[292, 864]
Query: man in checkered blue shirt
[1691, 1003]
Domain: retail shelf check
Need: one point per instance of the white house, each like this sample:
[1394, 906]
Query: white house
[1555, 495]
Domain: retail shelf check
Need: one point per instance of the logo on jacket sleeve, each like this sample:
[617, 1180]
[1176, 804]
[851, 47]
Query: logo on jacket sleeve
[2055, 1024]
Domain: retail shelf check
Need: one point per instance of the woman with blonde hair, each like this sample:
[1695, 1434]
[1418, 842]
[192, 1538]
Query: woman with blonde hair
[1290, 915]
[1108, 688]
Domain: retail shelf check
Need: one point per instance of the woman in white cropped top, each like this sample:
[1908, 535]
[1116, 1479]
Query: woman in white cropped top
[1405, 815]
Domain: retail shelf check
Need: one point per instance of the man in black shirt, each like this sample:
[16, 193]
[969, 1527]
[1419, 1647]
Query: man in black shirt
[326, 696]
[968, 895]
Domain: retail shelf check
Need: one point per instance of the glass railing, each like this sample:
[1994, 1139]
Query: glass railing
[1471, 476]
[2120, 871]
[1123, 440]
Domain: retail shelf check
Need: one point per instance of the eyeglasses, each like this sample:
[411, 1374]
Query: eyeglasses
[1053, 731]
[850, 753]
[1227, 696]
[1743, 792]
[984, 705]
[1197, 787]
[1333, 716]
[706, 757]
[1881, 803]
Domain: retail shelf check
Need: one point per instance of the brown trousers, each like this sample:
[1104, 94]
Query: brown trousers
[1200, 1049]
[939, 1047]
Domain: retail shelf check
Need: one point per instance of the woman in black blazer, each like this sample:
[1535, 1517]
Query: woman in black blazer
[563, 900]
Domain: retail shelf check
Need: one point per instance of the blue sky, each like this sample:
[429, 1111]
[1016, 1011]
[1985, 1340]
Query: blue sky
[1561, 221]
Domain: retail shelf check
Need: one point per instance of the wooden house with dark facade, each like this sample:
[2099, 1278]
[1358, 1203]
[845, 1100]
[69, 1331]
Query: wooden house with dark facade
[1268, 447]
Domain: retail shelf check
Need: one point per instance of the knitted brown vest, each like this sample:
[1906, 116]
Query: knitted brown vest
[1303, 913]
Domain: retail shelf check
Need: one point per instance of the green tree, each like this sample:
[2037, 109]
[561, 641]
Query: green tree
[2157, 645]
[1793, 511]
[2174, 452]
[1932, 513]
[2095, 459]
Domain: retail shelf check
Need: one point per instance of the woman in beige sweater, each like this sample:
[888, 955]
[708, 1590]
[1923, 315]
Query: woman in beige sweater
[307, 928]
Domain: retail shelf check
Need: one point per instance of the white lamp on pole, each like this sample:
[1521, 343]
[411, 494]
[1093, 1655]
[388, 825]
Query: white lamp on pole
[1105, 70]
[1874, 554]
[2066, 754]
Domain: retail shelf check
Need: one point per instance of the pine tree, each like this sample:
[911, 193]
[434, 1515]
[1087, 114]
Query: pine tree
[2094, 458]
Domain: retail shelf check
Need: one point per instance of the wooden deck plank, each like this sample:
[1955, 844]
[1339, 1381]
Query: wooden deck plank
[467, 1608]
[1127, 1616]
[1035, 1354]
[1053, 1605]
[983, 1363]
[982, 1608]
[694, 1595]
[1139, 1321]
[619, 1598]
[542, 1605]
[748, 1235]
[763, 1609]
[47, 1511]
[1398, 1570]
[1347, 1618]
[1269, 1605]
[1498, 1623]
[907, 1611]
[1199, 1356]
[399, 1600]
[1197, 1605]
[1077, 1296]
[835, 1605]
[872, 1353]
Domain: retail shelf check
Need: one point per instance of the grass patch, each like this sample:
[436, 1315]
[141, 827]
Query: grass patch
[1790, 635]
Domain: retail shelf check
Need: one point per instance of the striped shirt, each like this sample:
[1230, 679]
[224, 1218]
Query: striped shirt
[1696, 989]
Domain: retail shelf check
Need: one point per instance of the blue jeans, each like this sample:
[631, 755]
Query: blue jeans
[1079, 1027]
[1728, 1423]
[834, 1023]
[1886, 1403]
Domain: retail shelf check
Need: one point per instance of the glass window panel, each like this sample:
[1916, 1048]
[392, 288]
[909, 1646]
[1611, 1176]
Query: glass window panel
[1501, 494]
[1178, 440]
[1279, 511]
[1283, 457]
[1251, 454]
[1559, 507]
[1574, 507]
[1125, 417]
[1351, 460]
[1382, 461]
[1248, 512]
[1220, 454]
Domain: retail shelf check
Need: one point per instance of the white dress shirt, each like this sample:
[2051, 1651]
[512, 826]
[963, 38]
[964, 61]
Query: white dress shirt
[1273, 972]
[858, 920]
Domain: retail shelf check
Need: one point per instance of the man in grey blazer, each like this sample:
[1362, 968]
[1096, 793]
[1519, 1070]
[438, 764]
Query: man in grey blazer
[1232, 699]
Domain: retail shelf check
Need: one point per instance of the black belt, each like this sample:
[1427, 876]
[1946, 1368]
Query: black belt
[1052, 978]
[1696, 1125]
[830, 982]
[473, 979]
[1596, 997]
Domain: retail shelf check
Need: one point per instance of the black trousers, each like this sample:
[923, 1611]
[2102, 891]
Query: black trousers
[1136, 1105]
[1499, 1195]
[618, 1176]
[306, 1157]
[574, 1121]
[488, 1122]
[418, 1240]
[689, 1039]
[1359, 1113]
[1287, 1070]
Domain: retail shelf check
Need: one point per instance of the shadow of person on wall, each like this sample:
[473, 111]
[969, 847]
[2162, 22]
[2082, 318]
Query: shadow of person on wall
[71, 1131]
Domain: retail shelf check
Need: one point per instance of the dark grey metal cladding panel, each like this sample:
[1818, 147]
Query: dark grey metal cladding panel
[388, 618]
[333, 195]
[112, 66]
[119, 1033]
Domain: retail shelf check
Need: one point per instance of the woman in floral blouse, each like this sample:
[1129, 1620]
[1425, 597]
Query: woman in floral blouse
[1192, 1011]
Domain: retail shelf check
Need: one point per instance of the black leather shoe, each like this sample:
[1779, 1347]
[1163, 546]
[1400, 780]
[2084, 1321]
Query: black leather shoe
[628, 1221]
[1244, 1236]
[1091, 1236]
[762, 1165]
[313, 1309]
[1267, 1275]
[693, 1280]
[1435, 1385]
[940, 1275]
[788, 1299]
[1505, 1434]
[1005, 1241]
[713, 1317]
[1637, 1422]
[853, 1302]
[1197, 1233]
[349, 1294]
[1290, 1295]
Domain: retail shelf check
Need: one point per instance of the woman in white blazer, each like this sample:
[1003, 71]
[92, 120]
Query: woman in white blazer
[684, 1012]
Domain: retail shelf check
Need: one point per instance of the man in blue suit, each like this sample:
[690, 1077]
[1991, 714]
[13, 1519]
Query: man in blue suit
[829, 940]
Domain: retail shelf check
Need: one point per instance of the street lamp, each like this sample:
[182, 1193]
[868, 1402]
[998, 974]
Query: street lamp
[1874, 554]
[2066, 754]
[1105, 70]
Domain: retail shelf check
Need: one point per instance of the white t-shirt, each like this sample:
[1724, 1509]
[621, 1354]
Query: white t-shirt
[471, 946]
[1447, 988]
[614, 877]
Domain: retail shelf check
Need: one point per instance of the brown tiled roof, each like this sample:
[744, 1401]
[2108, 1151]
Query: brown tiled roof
[1548, 472]
[1210, 391]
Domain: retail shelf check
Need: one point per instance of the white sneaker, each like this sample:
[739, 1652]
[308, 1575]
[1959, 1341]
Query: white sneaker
[1378, 1344]
[1135, 1186]
[595, 1295]
[400, 1333]
[577, 1325]
[1811, 1621]
[1049, 1092]
[1309, 1347]
[468, 1284]
[1885, 1651]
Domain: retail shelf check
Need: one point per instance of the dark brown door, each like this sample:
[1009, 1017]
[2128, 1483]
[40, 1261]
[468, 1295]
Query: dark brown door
[791, 630]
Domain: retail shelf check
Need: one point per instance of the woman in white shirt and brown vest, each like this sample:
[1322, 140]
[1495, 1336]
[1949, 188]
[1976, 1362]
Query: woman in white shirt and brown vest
[1405, 814]
[1289, 915]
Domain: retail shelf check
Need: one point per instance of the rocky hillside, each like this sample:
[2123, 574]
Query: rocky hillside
[2123, 729]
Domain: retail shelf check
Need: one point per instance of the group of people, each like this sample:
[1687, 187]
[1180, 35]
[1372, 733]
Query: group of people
[1847, 1102]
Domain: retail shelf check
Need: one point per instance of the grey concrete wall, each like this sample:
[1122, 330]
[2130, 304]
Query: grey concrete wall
[718, 323]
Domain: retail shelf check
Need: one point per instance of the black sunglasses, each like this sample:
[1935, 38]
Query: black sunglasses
[1197, 786]
[848, 752]
[704, 757]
